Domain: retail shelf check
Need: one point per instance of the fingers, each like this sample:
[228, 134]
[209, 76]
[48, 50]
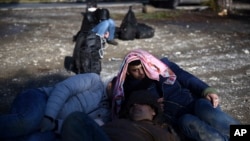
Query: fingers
[161, 100]
[215, 102]
[214, 99]
[106, 35]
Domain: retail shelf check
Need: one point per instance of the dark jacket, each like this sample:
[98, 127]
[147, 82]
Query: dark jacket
[179, 96]
[127, 130]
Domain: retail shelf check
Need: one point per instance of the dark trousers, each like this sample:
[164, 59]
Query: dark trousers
[78, 126]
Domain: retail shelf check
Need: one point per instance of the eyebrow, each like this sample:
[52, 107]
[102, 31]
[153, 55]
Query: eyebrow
[136, 67]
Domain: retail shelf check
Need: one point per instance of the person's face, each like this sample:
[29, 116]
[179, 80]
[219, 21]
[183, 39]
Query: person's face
[141, 112]
[136, 71]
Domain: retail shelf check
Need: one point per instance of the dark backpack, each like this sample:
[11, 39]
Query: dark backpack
[127, 29]
[88, 53]
[88, 22]
[144, 31]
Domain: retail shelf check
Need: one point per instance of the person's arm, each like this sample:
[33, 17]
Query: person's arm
[193, 83]
[189, 81]
[64, 90]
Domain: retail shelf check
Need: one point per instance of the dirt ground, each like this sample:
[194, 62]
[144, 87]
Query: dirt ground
[34, 43]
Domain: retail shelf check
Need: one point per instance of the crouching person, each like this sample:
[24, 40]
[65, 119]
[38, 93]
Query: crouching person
[142, 123]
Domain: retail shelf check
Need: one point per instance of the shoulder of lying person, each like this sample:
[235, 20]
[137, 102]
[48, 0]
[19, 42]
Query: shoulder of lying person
[171, 132]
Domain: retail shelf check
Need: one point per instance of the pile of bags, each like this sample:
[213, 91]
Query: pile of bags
[89, 46]
[131, 29]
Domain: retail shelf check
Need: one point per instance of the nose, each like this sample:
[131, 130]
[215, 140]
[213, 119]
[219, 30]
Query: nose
[141, 71]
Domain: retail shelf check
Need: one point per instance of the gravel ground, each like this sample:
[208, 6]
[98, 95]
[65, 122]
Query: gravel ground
[35, 41]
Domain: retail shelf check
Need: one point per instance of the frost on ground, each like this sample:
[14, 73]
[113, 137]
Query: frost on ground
[34, 43]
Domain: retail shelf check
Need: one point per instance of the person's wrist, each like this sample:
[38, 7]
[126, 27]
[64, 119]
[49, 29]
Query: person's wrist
[55, 125]
[208, 91]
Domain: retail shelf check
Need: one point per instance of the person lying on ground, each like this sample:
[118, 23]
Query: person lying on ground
[189, 104]
[141, 124]
[38, 113]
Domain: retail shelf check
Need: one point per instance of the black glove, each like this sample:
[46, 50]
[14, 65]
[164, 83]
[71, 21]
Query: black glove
[47, 124]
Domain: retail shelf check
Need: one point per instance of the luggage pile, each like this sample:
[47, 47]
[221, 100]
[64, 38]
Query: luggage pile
[130, 29]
